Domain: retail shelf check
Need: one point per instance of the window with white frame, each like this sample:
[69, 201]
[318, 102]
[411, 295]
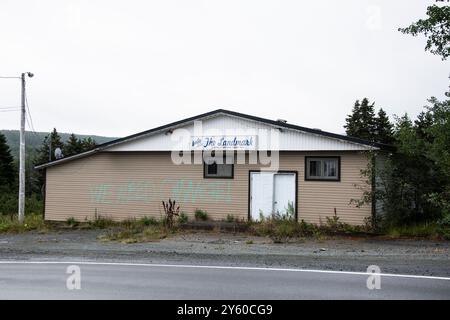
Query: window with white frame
[322, 168]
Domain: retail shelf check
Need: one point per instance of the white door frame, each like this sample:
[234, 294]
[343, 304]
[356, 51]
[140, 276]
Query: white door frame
[295, 172]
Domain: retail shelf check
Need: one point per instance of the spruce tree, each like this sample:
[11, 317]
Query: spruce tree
[87, 144]
[44, 152]
[72, 146]
[423, 124]
[383, 128]
[7, 171]
[44, 155]
[361, 123]
[367, 120]
[353, 121]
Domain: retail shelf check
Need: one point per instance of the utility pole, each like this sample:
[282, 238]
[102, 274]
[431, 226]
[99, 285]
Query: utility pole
[22, 151]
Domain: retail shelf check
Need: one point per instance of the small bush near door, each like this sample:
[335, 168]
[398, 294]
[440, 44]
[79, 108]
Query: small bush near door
[201, 215]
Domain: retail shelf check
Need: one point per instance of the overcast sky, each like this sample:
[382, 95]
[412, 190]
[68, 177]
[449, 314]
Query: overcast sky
[114, 68]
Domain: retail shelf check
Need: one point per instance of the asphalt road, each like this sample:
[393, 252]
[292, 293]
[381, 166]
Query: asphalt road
[146, 281]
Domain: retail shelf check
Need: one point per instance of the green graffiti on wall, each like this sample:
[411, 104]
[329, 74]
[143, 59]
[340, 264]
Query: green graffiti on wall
[187, 190]
[183, 190]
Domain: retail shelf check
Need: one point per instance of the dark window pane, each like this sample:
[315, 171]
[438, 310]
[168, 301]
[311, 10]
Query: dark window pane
[212, 168]
[314, 168]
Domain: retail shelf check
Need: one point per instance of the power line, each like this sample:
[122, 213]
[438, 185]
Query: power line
[3, 77]
[29, 119]
[31, 130]
[10, 107]
[29, 115]
[31, 127]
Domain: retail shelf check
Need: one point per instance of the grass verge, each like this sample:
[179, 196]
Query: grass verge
[137, 230]
[129, 231]
[286, 230]
[10, 224]
[425, 230]
[148, 229]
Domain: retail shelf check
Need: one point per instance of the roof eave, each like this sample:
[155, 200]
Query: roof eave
[175, 124]
[59, 161]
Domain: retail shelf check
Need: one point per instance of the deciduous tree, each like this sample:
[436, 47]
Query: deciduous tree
[436, 27]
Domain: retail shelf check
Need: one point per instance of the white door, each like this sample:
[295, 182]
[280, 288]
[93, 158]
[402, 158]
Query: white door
[270, 193]
[284, 193]
[261, 194]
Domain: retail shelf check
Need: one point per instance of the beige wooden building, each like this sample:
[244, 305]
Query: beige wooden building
[222, 162]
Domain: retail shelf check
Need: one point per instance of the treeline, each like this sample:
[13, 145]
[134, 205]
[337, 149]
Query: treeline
[73, 145]
[34, 140]
[413, 183]
[34, 179]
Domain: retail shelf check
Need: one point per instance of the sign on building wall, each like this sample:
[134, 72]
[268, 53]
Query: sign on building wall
[223, 142]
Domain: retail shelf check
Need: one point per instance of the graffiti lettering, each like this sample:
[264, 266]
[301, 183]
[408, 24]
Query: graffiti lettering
[184, 190]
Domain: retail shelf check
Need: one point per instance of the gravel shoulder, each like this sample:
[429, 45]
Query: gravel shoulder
[419, 257]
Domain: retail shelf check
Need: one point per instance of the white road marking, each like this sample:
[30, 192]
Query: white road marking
[225, 267]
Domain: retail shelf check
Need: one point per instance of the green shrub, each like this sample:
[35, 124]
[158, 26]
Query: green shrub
[308, 229]
[127, 223]
[9, 204]
[183, 218]
[444, 227]
[201, 215]
[284, 230]
[444, 221]
[102, 222]
[231, 218]
[288, 215]
[279, 230]
[444, 232]
[31, 222]
[333, 223]
[34, 205]
[148, 221]
[72, 221]
[334, 226]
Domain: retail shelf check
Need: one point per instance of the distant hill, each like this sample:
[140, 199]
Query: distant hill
[34, 140]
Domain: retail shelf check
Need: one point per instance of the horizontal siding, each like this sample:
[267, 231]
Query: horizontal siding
[124, 185]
